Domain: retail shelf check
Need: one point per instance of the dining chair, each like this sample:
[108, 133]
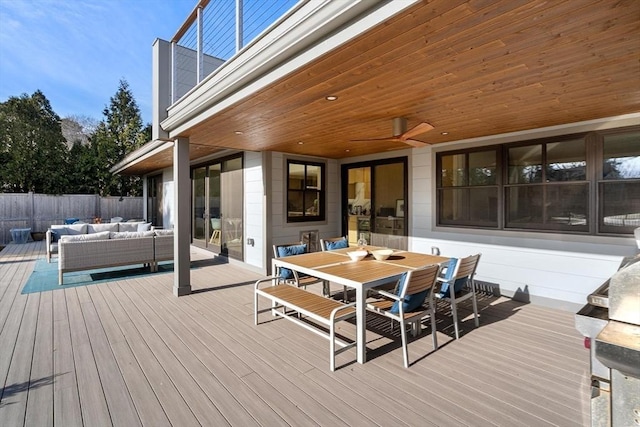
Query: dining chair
[334, 243]
[410, 304]
[331, 245]
[457, 284]
[292, 277]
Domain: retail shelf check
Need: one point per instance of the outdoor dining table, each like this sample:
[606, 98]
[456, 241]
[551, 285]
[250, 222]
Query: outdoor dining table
[336, 266]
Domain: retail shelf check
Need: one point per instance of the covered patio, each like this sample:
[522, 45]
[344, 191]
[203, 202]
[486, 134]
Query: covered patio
[129, 353]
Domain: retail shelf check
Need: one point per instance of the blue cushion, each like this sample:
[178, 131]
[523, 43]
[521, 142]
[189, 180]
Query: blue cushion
[55, 236]
[340, 244]
[458, 284]
[411, 302]
[284, 251]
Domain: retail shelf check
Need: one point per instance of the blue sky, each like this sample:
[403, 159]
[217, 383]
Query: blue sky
[77, 51]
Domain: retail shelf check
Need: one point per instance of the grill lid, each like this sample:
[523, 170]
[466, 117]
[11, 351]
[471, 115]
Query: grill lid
[618, 344]
[624, 295]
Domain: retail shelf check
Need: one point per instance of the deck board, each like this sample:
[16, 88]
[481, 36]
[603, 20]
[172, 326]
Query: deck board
[39, 411]
[128, 352]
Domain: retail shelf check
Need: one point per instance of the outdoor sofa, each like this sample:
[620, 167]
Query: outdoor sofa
[91, 246]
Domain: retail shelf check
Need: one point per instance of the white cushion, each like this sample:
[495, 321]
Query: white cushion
[97, 228]
[70, 229]
[145, 226]
[131, 234]
[128, 226]
[104, 235]
[162, 232]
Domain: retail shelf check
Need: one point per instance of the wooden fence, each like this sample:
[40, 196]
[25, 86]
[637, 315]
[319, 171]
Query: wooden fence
[39, 211]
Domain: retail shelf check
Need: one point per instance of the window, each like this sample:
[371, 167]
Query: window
[619, 183]
[468, 190]
[547, 187]
[305, 191]
[576, 183]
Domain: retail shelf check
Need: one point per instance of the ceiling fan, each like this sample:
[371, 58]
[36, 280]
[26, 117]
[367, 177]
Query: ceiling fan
[401, 134]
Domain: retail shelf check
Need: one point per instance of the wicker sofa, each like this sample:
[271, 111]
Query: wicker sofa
[91, 246]
[55, 232]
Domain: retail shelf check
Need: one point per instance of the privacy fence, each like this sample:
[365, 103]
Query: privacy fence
[39, 211]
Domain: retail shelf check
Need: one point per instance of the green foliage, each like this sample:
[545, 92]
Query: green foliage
[119, 134]
[32, 149]
[41, 153]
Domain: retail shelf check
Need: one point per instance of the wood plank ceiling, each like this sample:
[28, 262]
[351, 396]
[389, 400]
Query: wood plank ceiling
[469, 68]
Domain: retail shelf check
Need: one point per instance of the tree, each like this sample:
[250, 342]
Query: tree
[120, 133]
[78, 128]
[33, 154]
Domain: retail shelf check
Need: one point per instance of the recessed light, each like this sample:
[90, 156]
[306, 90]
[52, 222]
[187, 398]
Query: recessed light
[300, 142]
[239, 132]
[347, 150]
[331, 97]
[444, 133]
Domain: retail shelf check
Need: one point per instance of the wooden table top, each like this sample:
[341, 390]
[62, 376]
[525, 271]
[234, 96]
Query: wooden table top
[337, 263]
[315, 259]
[414, 259]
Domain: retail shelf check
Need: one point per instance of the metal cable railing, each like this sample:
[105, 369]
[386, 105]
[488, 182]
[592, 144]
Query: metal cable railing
[219, 36]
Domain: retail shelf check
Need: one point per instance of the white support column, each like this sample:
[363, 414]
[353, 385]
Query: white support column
[239, 25]
[182, 218]
[199, 43]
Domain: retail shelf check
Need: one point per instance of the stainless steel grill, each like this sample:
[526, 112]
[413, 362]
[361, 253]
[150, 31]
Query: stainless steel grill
[610, 323]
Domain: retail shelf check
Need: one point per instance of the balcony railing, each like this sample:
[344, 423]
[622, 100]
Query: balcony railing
[216, 31]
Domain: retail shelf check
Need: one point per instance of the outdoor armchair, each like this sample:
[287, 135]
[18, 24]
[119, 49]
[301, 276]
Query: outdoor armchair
[292, 277]
[410, 304]
[458, 284]
[333, 244]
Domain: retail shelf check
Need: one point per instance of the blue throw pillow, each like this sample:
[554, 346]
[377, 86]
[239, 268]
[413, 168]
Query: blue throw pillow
[458, 284]
[284, 251]
[340, 244]
[55, 236]
[411, 302]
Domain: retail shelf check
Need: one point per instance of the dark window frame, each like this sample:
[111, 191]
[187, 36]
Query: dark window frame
[594, 182]
[468, 187]
[321, 210]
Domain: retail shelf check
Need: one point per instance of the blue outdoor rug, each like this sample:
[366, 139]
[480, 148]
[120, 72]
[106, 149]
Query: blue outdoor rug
[45, 275]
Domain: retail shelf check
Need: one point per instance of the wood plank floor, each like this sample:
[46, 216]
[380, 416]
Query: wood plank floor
[129, 353]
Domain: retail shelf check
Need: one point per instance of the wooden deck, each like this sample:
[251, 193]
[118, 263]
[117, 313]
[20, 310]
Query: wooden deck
[129, 353]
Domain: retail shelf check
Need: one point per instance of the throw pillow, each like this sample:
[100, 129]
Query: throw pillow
[128, 226]
[144, 226]
[97, 228]
[411, 302]
[284, 251]
[340, 244]
[76, 229]
[458, 284]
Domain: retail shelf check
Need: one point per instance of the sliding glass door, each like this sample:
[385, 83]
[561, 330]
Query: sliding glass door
[374, 195]
[217, 201]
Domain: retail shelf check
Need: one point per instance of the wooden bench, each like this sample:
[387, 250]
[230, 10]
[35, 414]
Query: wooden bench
[296, 302]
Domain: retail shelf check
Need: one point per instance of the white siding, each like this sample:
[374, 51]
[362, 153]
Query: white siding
[283, 232]
[254, 209]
